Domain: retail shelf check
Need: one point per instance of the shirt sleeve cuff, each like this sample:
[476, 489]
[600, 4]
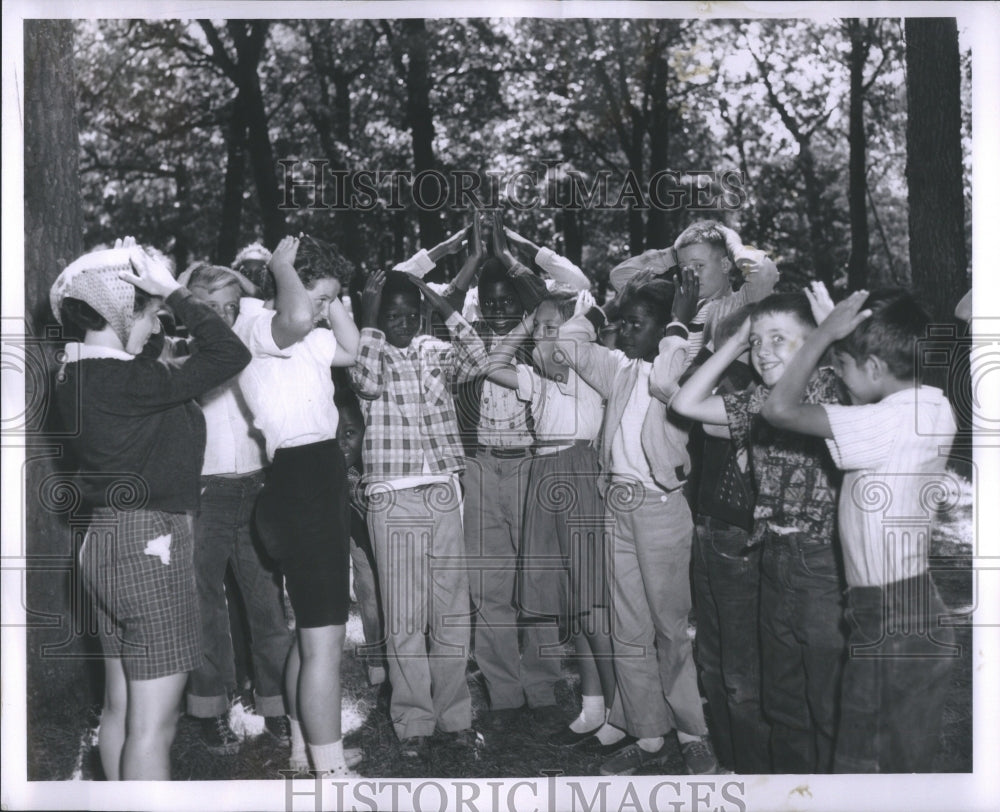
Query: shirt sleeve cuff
[418, 265]
[675, 328]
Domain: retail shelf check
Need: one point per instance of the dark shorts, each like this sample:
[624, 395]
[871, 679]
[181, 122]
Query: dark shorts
[302, 515]
[138, 566]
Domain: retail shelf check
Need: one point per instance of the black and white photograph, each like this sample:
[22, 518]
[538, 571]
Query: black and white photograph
[557, 406]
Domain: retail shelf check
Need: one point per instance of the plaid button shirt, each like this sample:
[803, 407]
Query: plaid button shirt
[406, 397]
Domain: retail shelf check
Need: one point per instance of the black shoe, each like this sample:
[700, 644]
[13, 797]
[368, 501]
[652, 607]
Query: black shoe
[279, 727]
[218, 737]
[593, 745]
[631, 759]
[565, 737]
[468, 739]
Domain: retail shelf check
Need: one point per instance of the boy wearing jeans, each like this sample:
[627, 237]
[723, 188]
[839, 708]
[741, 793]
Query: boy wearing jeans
[412, 458]
[892, 442]
[802, 639]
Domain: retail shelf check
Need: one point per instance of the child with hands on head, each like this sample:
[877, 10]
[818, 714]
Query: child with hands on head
[567, 421]
[802, 639]
[412, 461]
[139, 427]
[302, 512]
[893, 439]
[644, 464]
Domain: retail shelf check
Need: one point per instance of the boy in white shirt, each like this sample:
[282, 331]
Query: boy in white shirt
[892, 443]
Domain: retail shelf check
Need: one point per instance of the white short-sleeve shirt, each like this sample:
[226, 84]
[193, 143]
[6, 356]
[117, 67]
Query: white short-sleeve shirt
[893, 453]
[290, 390]
[563, 410]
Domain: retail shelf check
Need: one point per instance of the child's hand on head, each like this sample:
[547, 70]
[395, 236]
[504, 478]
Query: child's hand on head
[151, 275]
[845, 316]
[371, 297]
[477, 247]
[285, 253]
[125, 242]
[685, 296]
[584, 301]
[819, 300]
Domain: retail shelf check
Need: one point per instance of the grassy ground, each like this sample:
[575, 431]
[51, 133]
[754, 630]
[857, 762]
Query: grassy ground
[62, 744]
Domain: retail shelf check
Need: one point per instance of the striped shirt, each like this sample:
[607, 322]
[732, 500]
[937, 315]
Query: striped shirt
[893, 453]
[411, 427]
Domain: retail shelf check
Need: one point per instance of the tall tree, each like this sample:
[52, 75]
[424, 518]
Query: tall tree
[53, 235]
[934, 163]
[249, 37]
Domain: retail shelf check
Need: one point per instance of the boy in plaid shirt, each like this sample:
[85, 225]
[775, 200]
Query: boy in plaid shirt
[412, 459]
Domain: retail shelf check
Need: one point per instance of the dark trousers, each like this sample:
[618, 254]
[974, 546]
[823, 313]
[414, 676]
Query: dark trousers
[896, 680]
[223, 538]
[725, 576]
[803, 645]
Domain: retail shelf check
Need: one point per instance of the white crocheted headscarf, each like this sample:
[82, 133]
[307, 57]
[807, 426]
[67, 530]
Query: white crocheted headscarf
[93, 278]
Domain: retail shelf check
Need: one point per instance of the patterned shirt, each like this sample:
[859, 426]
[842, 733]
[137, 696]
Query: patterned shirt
[411, 428]
[796, 479]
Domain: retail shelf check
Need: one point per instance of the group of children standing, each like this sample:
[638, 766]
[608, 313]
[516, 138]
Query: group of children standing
[525, 480]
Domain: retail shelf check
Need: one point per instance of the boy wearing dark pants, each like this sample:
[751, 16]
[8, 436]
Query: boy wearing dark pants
[645, 463]
[892, 443]
[802, 638]
[412, 458]
[725, 579]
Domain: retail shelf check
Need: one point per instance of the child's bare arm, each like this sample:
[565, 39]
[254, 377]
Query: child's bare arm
[366, 374]
[346, 332]
[293, 313]
[784, 408]
[695, 400]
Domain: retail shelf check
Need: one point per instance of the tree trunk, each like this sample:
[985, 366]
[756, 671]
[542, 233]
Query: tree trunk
[261, 155]
[232, 195]
[420, 119]
[658, 233]
[857, 265]
[53, 237]
[934, 164]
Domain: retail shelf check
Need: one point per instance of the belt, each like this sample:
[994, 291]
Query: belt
[545, 447]
[504, 453]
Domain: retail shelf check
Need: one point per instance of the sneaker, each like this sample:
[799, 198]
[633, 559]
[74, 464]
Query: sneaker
[699, 757]
[413, 747]
[632, 758]
[218, 737]
[279, 727]
[353, 756]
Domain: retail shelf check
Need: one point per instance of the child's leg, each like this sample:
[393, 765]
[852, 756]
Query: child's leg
[401, 536]
[319, 683]
[663, 546]
[369, 604]
[150, 724]
[111, 737]
[448, 614]
[299, 759]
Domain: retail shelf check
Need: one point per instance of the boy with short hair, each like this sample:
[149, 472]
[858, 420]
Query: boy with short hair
[894, 439]
[802, 640]
[412, 459]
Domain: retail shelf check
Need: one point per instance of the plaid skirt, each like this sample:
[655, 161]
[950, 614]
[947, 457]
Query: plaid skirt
[139, 569]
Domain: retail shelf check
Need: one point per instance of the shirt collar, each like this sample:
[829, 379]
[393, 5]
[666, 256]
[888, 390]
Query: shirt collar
[76, 351]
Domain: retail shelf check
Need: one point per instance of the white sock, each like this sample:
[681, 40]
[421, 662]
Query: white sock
[609, 734]
[687, 737]
[298, 744]
[651, 745]
[328, 758]
[592, 715]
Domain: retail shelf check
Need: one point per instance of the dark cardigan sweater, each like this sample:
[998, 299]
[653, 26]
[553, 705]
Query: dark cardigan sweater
[138, 423]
